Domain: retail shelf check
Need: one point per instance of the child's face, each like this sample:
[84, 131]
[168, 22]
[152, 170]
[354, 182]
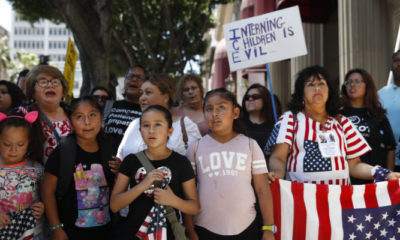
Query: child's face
[86, 121]
[154, 129]
[220, 114]
[14, 142]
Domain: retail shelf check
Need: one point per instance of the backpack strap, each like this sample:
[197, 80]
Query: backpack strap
[184, 133]
[106, 152]
[67, 162]
[51, 126]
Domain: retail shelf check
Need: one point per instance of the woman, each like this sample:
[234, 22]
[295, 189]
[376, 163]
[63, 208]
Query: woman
[46, 88]
[10, 96]
[123, 112]
[257, 113]
[101, 95]
[323, 147]
[362, 107]
[190, 92]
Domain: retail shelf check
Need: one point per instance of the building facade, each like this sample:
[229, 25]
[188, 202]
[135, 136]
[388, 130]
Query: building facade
[44, 38]
[340, 35]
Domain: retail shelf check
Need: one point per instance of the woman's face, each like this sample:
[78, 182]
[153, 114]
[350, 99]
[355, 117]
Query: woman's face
[355, 86]
[47, 90]
[100, 96]
[191, 93]
[5, 99]
[316, 92]
[254, 101]
[151, 95]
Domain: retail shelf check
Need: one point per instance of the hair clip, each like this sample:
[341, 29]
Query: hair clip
[30, 117]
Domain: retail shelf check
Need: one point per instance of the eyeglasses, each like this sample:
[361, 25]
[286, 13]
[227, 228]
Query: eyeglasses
[132, 76]
[44, 82]
[356, 82]
[100, 98]
[253, 96]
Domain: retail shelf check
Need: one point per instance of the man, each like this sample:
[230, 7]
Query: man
[124, 111]
[390, 100]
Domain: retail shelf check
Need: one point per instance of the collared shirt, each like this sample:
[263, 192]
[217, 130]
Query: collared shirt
[390, 100]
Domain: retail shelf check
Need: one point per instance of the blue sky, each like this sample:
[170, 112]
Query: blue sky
[5, 14]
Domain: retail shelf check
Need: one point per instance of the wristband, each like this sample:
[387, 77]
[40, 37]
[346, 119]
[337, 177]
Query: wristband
[273, 228]
[56, 226]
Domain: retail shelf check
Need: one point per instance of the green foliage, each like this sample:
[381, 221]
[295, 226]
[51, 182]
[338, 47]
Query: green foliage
[161, 35]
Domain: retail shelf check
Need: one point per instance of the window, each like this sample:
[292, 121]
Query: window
[23, 44]
[50, 31]
[24, 31]
[50, 44]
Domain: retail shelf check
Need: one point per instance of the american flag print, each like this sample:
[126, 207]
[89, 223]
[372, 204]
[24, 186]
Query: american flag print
[313, 160]
[154, 226]
[305, 162]
[318, 211]
[22, 226]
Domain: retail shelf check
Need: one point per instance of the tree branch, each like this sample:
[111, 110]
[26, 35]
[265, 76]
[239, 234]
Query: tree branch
[143, 34]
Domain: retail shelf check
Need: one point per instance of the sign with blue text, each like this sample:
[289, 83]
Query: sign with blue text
[266, 38]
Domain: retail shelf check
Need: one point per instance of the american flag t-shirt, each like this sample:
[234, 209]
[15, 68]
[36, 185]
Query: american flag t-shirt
[305, 162]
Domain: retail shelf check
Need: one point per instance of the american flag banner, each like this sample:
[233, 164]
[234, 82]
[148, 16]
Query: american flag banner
[319, 211]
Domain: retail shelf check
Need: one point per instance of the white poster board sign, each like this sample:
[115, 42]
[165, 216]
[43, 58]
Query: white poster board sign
[266, 38]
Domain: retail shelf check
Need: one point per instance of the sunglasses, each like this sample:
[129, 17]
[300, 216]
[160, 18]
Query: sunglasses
[253, 96]
[100, 98]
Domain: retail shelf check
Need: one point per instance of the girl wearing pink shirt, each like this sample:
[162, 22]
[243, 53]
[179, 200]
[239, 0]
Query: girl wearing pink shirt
[226, 163]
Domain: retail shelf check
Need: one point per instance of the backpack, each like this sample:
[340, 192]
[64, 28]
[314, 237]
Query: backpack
[68, 147]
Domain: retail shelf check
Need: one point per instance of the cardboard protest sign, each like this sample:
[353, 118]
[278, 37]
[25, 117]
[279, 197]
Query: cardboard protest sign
[266, 38]
[69, 67]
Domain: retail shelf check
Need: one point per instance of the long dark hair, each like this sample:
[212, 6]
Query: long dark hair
[371, 100]
[35, 147]
[315, 72]
[17, 96]
[225, 94]
[266, 111]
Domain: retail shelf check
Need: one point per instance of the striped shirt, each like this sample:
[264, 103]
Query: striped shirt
[305, 162]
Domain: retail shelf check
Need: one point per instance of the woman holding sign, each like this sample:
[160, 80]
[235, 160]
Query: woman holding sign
[311, 143]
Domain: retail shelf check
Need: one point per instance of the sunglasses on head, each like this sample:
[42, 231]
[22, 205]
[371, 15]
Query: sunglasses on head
[100, 97]
[253, 96]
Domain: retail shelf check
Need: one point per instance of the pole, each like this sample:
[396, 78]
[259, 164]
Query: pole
[271, 92]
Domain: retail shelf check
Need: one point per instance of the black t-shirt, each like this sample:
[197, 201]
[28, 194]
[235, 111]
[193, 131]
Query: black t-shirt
[176, 166]
[379, 136]
[259, 132]
[121, 115]
[68, 205]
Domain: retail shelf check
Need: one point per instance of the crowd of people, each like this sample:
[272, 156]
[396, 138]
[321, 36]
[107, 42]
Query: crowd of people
[97, 168]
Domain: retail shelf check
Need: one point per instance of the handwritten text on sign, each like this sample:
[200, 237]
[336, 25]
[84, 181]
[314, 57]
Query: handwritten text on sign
[267, 38]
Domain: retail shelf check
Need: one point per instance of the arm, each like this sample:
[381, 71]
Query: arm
[277, 161]
[359, 169]
[390, 159]
[49, 199]
[264, 195]
[121, 198]
[189, 205]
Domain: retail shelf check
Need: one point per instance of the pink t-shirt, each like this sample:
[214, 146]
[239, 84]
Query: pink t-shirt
[224, 172]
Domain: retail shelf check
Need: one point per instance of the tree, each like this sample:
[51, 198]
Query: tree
[160, 35]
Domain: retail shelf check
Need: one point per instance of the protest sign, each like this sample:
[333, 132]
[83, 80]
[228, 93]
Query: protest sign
[69, 67]
[266, 38]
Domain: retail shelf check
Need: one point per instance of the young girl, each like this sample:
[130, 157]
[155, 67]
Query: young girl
[20, 173]
[78, 176]
[180, 193]
[226, 162]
